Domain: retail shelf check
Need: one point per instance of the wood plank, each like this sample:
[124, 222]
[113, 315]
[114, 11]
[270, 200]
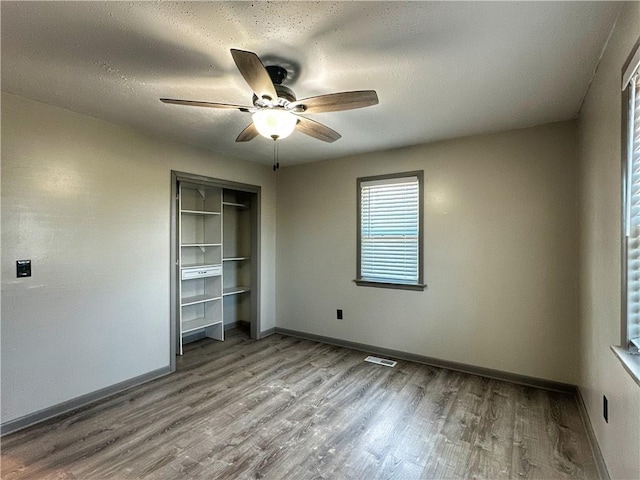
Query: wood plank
[492, 447]
[549, 437]
[284, 407]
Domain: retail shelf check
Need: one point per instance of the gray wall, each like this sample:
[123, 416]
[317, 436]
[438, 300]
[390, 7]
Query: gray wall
[89, 203]
[600, 198]
[500, 262]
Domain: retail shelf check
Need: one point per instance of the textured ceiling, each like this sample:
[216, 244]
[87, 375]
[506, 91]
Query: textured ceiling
[441, 69]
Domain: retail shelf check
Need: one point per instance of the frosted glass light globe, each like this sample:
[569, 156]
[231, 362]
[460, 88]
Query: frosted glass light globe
[274, 123]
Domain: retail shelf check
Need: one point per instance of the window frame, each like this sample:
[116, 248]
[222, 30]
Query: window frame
[419, 286]
[630, 69]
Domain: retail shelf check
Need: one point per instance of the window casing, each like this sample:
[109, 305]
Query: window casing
[631, 204]
[390, 238]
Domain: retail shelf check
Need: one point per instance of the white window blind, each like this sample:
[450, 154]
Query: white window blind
[633, 212]
[390, 230]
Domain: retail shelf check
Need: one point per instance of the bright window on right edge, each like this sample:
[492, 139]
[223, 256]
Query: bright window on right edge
[631, 214]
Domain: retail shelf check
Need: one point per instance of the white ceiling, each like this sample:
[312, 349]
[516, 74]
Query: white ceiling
[441, 69]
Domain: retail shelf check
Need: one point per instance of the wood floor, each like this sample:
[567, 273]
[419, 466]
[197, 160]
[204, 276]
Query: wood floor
[285, 408]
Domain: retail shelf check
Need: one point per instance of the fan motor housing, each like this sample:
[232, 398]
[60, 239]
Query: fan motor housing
[284, 93]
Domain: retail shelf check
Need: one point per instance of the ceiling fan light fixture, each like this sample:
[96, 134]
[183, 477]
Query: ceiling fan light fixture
[274, 123]
[276, 107]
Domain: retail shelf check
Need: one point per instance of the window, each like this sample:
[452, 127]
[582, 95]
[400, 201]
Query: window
[631, 214]
[390, 231]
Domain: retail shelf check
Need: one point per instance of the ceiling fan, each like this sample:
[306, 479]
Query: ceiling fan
[276, 111]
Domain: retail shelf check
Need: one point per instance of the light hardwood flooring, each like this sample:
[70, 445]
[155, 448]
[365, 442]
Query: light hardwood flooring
[285, 408]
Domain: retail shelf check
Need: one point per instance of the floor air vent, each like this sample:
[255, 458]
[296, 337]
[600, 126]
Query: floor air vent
[380, 361]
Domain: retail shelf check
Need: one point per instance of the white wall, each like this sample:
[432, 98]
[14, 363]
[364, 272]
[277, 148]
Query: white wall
[600, 256]
[500, 253]
[89, 203]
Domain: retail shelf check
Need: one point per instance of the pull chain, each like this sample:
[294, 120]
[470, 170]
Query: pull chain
[276, 163]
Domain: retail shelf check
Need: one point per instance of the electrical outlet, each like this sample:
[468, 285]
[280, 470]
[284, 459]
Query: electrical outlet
[605, 408]
[339, 314]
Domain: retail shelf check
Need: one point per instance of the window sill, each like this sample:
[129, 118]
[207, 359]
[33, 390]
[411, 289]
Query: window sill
[631, 363]
[398, 286]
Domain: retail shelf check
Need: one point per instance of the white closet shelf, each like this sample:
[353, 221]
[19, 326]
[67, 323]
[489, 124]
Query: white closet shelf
[235, 259]
[235, 290]
[201, 245]
[197, 323]
[198, 299]
[234, 204]
[199, 212]
[199, 265]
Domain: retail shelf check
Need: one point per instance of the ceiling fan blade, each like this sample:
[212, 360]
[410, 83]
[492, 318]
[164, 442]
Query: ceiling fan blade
[195, 103]
[335, 102]
[248, 133]
[255, 74]
[317, 130]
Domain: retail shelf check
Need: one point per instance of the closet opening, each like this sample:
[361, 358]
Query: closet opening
[215, 259]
